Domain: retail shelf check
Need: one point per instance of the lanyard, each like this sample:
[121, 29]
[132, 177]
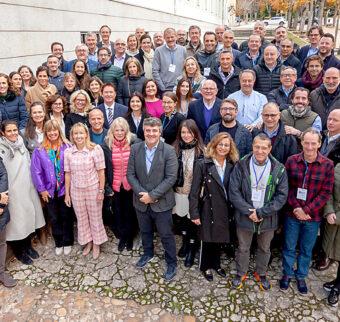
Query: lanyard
[258, 180]
[304, 176]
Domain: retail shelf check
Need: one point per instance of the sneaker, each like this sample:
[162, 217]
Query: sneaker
[238, 280]
[7, 280]
[144, 260]
[58, 251]
[333, 297]
[67, 250]
[284, 283]
[263, 281]
[170, 273]
[302, 286]
[329, 285]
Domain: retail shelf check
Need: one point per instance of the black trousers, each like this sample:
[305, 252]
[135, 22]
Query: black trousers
[125, 214]
[210, 256]
[61, 219]
[20, 246]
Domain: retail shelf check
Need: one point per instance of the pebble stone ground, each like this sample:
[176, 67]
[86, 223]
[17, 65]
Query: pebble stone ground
[78, 288]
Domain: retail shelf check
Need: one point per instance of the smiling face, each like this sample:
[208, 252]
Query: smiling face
[184, 88]
[209, 43]
[170, 38]
[132, 43]
[96, 120]
[53, 135]
[146, 45]
[288, 78]
[261, 150]
[11, 132]
[151, 89]
[82, 53]
[80, 103]
[270, 56]
[53, 64]
[95, 87]
[103, 56]
[186, 135]
[226, 61]
[3, 86]
[105, 34]
[109, 95]
[42, 79]
[135, 103]
[152, 135]
[69, 83]
[168, 105]
[247, 82]
[194, 35]
[25, 74]
[228, 112]
[228, 39]
[133, 69]
[57, 50]
[286, 48]
[16, 81]
[254, 43]
[331, 79]
[310, 145]
[300, 101]
[190, 67]
[209, 90]
[91, 42]
[326, 45]
[79, 136]
[79, 68]
[58, 106]
[119, 133]
[314, 68]
[37, 114]
[223, 148]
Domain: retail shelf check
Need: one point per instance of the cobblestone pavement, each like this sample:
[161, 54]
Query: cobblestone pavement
[111, 288]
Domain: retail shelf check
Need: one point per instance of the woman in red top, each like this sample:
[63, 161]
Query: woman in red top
[117, 152]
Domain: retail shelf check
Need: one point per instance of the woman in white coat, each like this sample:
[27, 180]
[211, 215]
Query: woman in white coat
[24, 203]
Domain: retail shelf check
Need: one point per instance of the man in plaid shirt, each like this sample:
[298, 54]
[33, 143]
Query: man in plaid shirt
[311, 179]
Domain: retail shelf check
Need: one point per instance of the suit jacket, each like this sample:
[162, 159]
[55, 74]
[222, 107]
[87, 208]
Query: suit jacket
[196, 113]
[139, 132]
[160, 179]
[119, 111]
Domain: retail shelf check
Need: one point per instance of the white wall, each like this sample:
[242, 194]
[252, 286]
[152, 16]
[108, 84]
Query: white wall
[28, 27]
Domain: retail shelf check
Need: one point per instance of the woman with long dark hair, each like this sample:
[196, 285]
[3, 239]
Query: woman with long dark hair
[95, 91]
[79, 70]
[153, 104]
[56, 109]
[184, 96]
[28, 78]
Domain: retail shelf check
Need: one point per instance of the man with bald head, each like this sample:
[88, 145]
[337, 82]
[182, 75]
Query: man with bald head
[259, 29]
[182, 37]
[97, 130]
[206, 111]
[327, 97]
[287, 56]
[140, 31]
[228, 40]
[268, 71]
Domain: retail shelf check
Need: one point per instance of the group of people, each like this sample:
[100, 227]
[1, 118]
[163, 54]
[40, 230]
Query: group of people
[212, 140]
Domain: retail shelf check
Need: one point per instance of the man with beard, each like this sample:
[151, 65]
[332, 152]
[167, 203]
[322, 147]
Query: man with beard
[299, 116]
[326, 51]
[326, 98]
[228, 123]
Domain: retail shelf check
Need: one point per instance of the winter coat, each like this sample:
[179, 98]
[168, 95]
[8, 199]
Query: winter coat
[232, 85]
[73, 118]
[206, 60]
[294, 62]
[331, 240]
[4, 217]
[13, 108]
[275, 196]
[267, 80]
[109, 74]
[279, 97]
[212, 207]
[43, 172]
[127, 86]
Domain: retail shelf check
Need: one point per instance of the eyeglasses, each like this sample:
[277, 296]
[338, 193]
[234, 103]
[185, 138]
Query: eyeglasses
[267, 116]
[288, 75]
[80, 100]
[225, 109]
[222, 145]
[208, 89]
[57, 104]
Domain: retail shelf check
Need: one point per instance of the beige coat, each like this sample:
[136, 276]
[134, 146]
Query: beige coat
[38, 94]
[24, 203]
[331, 241]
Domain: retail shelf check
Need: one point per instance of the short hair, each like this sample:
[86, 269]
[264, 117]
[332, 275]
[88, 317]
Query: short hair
[147, 81]
[209, 33]
[52, 99]
[167, 30]
[318, 28]
[73, 97]
[90, 34]
[171, 95]
[52, 56]
[96, 110]
[302, 89]
[57, 43]
[263, 137]
[104, 26]
[81, 45]
[314, 57]
[230, 101]
[109, 85]
[272, 46]
[144, 36]
[311, 131]
[7, 122]
[229, 31]
[328, 35]
[225, 52]
[278, 27]
[195, 27]
[256, 35]
[291, 41]
[153, 122]
[104, 48]
[41, 69]
[283, 68]
[250, 71]
[271, 104]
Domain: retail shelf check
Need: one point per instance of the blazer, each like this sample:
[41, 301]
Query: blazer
[139, 132]
[195, 112]
[119, 111]
[160, 179]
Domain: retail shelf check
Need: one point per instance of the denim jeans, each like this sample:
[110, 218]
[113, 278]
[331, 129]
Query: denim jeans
[304, 233]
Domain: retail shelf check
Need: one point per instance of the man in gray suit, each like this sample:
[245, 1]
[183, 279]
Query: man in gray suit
[152, 171]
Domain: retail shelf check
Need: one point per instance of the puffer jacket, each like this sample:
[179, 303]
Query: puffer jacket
[13, 108]
[267, 80]
[279, 97]
[108, 73]
[127, 86]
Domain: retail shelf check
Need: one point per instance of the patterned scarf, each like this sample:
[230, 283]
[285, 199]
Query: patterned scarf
[54, 156]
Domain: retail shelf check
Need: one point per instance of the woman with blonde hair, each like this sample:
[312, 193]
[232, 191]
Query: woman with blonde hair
[132, 45]
[208, 200]
[84, 167]
[191, 72]
[132, 81]
[47, 170]
[80, 105]
[117, 152]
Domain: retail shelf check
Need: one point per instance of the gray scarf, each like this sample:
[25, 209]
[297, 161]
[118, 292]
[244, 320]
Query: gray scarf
[18, 145]
[298, 115]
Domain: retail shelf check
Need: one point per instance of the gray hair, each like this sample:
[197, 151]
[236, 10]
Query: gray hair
[153, 122]
[229, 31]
[225, 52]
[90, 34]
[283, 68]
[81, 46]
[250, 71]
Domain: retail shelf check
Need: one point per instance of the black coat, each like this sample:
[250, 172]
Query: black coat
[73, 118]
[294, 62]
[127, 86]
[232, 85]
[13, 108]
[267, 80]
[171, 128]
[279, 97]
[212, 207]
[4, 218]
[139, 132]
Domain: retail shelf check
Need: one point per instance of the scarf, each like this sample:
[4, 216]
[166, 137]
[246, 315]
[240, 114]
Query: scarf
[187, 146]
[312, 84]
[54, 156]
[148, 58]
[18, 145]
[102, 67]
[298, 114]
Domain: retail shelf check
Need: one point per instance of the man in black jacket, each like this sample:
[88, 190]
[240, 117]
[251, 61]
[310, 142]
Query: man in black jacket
[258, 189]
[287, 56]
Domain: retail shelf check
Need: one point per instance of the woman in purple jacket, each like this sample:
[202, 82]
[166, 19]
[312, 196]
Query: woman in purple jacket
[47, 169]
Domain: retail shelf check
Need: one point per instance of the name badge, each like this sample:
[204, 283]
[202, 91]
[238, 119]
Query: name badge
[172, 68]
[206, 71]
[256, 195]
[301, 194]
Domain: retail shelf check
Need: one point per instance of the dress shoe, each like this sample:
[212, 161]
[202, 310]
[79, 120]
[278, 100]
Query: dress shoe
[302, 286]
[170, 273]
[184, 248]
[333, 297]
[221, 272]
[121, 245]
[329, 285]
[322, 264]
[32, 253]
[208, 275]
[7, 280]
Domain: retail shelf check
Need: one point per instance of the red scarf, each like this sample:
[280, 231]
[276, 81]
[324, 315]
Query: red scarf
[312, 84]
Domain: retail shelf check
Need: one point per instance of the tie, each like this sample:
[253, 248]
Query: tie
[110, 116]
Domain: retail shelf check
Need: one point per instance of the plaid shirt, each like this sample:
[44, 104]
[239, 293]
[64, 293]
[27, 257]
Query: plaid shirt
[318, 182]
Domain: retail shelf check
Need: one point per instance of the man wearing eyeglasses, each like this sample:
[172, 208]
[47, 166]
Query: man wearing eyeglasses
[120, 56]
[282, 96]
[314, 34]
[82, 53]
[229, 124]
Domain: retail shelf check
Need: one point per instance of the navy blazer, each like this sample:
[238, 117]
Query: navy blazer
[119, 111]
[303, 52]
[196, 113]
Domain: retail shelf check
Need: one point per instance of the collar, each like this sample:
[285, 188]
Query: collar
[120, 58]
[302, 159]
[333, 138]
[253, 159]
[109, 106]
[171, 49]
[209, 105]
[272, 133]
[152, 149]
[75, 150]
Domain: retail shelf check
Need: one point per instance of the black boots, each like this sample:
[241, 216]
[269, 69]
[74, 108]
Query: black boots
[182, 252]
[190, 257]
